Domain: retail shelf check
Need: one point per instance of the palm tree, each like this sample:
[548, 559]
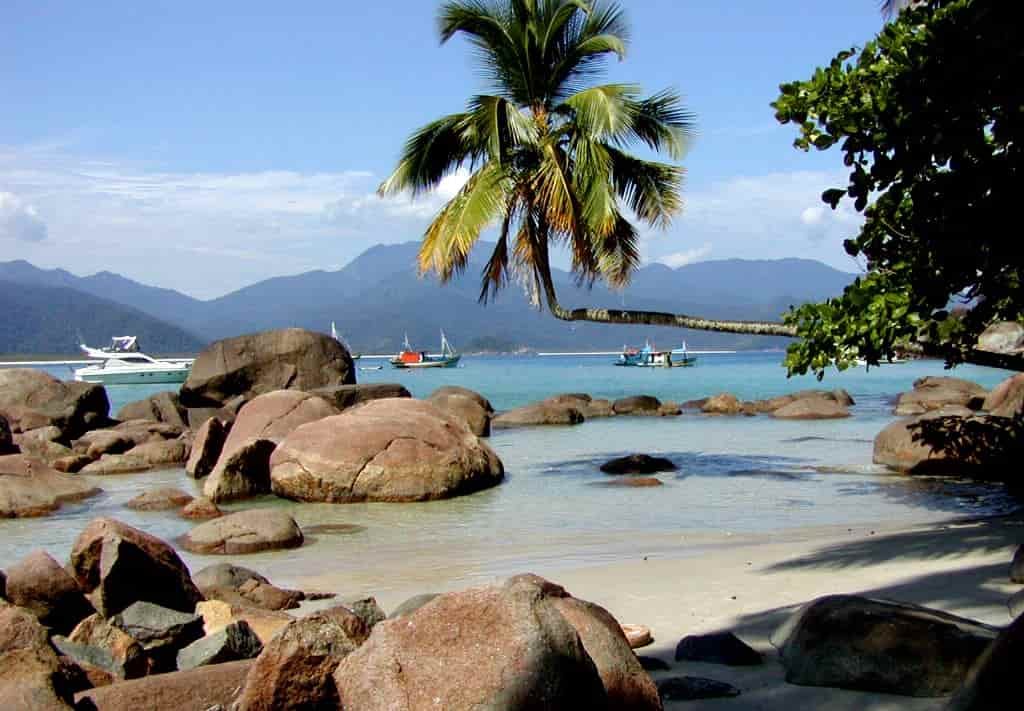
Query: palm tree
[549, 157]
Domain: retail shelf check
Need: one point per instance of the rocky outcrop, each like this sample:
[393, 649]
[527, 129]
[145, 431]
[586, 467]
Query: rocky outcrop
[994, 680]
[637, 405]
[39, 584]
[1007, 398]
[294, 669]
[1005, 337]
[455, 653]
[244, 532]
[243, 468]
[720, 648]
[31, 399]
[162, 407]
[201, 508]
[839, 396]
[162, 632]
[466, 409]
[228, 644]
[588, 406]
[812, 408]
[30, 488]
[934, 393]
[345, 396]
[162, 499]
[951, 442]
[162, 453]
[251, 365]
[119, 565]
[385, 450]
[638, 464]
[206, 448]
[872, 645]
[722, 404]
[538, 413]
[208, 687]
[43, 443]
[241, 586]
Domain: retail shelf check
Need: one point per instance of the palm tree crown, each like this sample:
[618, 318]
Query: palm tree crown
[547, 151]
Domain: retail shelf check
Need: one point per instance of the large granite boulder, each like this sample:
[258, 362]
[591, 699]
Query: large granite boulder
[165, 498]
[125, 436]
[936, 392]
[39, 584]
[206, 447]
[812, 408]
[99, 643]
[162, 407]
[1005, 337]
[345, 396]
[164, 453]
[951, 442]
[538, 413]
[994, 682]
[231, 643]
[20, 629]
[638, 464]
[31, 399]
[873, 645]
[247, 366]
[30, 488]
[200, 689]
[245, 588]
[588, 406]
[35, 679]
[7, 445]
[456, 653]
[294, 669]
[43, 443]
[446, 390]
[637, 405]
[1007, 398]
[839, 395]
[119, 565]
[244, 532]
[385, 450]
[243, 468]
[465, 408]
[722, 404]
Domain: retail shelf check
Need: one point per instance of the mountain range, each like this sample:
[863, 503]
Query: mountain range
[378, 298]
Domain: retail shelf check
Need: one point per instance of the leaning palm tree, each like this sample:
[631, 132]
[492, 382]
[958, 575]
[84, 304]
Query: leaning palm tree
[549, 157]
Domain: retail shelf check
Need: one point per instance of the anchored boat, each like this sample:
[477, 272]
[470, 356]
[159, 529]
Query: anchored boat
[409, 358]
[122, 363]
[650, 357]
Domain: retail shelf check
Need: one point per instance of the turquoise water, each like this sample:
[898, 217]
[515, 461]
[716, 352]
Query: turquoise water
[736, 475]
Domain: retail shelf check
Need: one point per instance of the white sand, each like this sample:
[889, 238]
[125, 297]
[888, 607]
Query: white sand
[748, 584]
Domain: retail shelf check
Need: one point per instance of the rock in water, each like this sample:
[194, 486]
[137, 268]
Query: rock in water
[638, 464]
[934, 393]
[28, 487]
[162, 407]
[722, 404]
[39, 584]
[259, 363]
[812, 408]
[539, 413]
[206, 448]
[722, 648]
[162, 499]
[228, 644]
[30, 399]
[872, 645]
[691, 688]
[385, 450]
[637, 405]
[244, 532]
[466, 409]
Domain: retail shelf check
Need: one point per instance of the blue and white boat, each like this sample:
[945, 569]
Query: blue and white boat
[650, 357]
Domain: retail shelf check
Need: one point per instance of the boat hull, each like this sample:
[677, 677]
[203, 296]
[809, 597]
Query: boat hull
[88, 375]
[442, 363]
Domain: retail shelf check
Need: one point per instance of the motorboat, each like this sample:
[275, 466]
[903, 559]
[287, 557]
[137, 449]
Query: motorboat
[651, 357]
[122, 363]
[409, 358]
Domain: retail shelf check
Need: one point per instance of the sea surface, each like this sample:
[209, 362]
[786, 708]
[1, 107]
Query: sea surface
[744, 475]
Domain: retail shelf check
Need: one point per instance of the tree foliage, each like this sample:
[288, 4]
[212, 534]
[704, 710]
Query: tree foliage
[929, 117]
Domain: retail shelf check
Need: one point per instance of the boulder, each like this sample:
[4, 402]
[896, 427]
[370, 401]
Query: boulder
[722, 404]
[294, 669]
[201, 689]
[994, 682]
[838, 395]
[201, 508]
[638, 464]
[7, 445]
[385, 450]
[933, 393]
[120, 565]
[71, 464]
[34, 679]
[40, 444]
[247, 366]
[1005, 337]
[162, 499]
[812, 408]
[691, 688]
[632, 482]
[941, 442]
[242, 473]
[1015, 604]
[345, 396]
[367, 609]
[162, 632]
[39, 584]
[162, 407]
[21, 629]
[873, 645]
[30, 488]
[412, 604]
[465, 409]
[228, 644]
[637, 405]
[151, 455]
[446, 390]
[539, 413]
[1017, 566]
[206, 448]
[720, 648]
[1007, 398]
[244, 532]
[589, 407]
[218, 614]
[100, 643]
[30, 399]
[456, 653]
[670, 408]
[219, 577]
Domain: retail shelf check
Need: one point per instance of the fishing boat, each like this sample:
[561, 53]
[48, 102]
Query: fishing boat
[651, 357]
[122, 363]
[336, 336]
[409, 358]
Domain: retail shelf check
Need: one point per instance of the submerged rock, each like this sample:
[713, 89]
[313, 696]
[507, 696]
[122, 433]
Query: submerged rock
[691, 688]
[28, 487]
[162, 499]
[244, 532]
[721, 648]
[539, 413]
[638, 464]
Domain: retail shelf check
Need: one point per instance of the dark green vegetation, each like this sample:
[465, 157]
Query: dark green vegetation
[929, 117]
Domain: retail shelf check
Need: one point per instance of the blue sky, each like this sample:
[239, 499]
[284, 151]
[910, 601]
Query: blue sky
[203, 146]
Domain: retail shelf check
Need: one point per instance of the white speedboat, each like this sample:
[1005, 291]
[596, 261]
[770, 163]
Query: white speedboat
[121, 363]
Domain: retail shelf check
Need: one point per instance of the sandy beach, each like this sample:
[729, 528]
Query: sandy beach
[750, 583]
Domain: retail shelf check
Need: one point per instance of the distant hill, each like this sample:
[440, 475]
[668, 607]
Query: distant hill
[49, 319]
[378, 297]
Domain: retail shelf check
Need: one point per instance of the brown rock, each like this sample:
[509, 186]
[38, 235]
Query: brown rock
[124, 656]
[344, 397]
[480, 400]
[162, 499]
[538, 413]
[242, 473]
[193, 690]
[30, 399]
[244, 532]
[34, 679]
[1007, 398]
[39, 584]
[670, 409]
[993, 682]
[385, 450]
[162, 407]
[201, 508]
[259, 363]
[637, 405]
[120, 565]
[812, 408]
[150, 455]
[589, 407]
[38, 444]
[20, 629]
[633, 482]
[456, 653]
[294, 669]
[722, 404]
[1005, 337]
[206, 448]
[638, 464]
[71, 464]
[934, 393]
[30, 488]
[465, 409]
[218, 614]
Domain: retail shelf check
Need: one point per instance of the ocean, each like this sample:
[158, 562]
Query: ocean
[743, 475]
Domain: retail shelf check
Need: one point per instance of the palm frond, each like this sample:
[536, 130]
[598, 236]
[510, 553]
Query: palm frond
[650, 189]
[430, 154]
[497, 124]
[494, 275]
[602, 111]
[663, 123]
[618, 253]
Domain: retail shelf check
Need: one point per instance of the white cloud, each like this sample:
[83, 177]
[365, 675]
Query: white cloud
[689, 256]
[20, 220]
[812, 216]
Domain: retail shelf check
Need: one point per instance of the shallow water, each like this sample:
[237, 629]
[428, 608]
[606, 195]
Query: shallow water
[736, 475]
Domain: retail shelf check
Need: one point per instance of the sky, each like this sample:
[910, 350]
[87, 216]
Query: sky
[205, 146]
